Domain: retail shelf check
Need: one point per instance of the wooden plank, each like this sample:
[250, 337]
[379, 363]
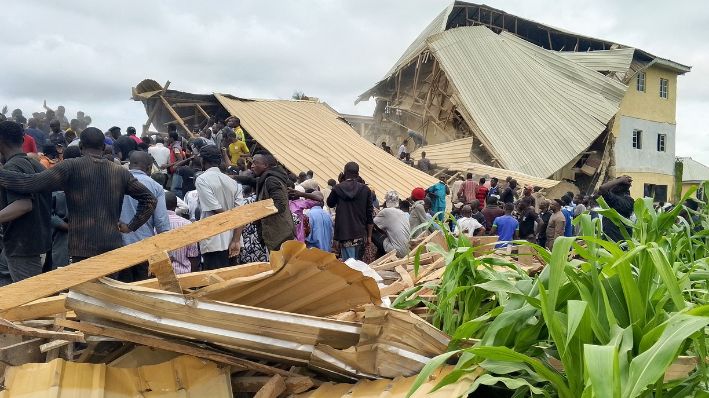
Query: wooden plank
[170, 345]
[202, 111]
[53, 345]
[160, 265]
[54, 305]
[273, 388]
[294, 384]
[175, 115]
[12, 328]
[151, 116]
[108, 263]
[405, 277]
[383, 259]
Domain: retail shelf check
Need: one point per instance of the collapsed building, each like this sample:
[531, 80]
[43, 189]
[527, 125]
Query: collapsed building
[536, 99]
[302, 134]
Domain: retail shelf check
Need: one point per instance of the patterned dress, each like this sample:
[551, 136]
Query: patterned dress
[253, 249]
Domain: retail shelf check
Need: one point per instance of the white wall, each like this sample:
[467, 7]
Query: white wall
[647, 159]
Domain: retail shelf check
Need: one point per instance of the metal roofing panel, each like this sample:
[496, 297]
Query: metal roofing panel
[182, 377]
[307, 135]
[396, 388]
[536, 110]
[484, 170]
[617, 60]
[447, 153]
[694, 171]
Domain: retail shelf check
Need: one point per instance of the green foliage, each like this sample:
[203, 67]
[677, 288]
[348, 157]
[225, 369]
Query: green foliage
[614, 318]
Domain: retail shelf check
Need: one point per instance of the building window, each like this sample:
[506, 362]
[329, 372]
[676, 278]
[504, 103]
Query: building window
[640, 83]
[657, 192]
[664, 87]
[661, 142]
[638, 139]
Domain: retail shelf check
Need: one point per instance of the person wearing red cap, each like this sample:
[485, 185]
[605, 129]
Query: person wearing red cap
[418, 211]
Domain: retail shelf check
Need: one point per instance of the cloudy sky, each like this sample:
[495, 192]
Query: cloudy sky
[87, 54]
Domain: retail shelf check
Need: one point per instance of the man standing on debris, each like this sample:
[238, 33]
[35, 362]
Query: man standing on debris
[423, 163]
[402, 149]
[469, 190]
[140, 165]
[491, 212]
[438, 192]
[544, 215]
[467, 224]
[217, 193]
[418, 214]
[508, 195]
[25, 218]
[272, 183]
[94, 188]
[354, 213]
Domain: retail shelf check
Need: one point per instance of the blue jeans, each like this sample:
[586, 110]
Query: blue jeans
[354, 252]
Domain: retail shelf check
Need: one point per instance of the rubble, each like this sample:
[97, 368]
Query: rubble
[281, 328]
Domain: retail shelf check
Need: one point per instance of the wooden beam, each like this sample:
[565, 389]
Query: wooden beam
[160, 265]
[151, 116]
[52, 282]
[12, 328]
[294, 384]
[274, 387]
[170, 345]
[190, 104]
[551, 47]
[54, 305]
[174, 114]
[202, 111]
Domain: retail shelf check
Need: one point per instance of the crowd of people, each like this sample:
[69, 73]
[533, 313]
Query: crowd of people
[83, 196]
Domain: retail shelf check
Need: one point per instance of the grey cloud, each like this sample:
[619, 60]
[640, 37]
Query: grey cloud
[87, 54]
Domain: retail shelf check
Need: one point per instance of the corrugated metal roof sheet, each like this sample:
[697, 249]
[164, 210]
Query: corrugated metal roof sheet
[535, 109]
[481, 170]
[617, 60]
[694, 171]
[182, 377]
[306, 135]
[447, 153]
[396, 388]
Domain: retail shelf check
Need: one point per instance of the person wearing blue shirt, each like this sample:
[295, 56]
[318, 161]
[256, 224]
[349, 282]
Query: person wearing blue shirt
[320, 235]
[438, 192]
[506, 227]
[568, 211]
[40, 138]
[140, 165]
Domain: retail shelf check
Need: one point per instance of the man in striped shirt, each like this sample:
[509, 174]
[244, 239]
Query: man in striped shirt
[94, 188]
[184, 259]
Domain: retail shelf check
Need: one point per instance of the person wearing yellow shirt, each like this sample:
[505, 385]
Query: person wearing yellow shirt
[235, 149]
[235, 124]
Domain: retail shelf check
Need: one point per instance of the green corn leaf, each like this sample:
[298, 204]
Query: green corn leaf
[513, 384]
[650, 366]
[668, 276]
[499, 285]
[428, 369]
[506, 354]
[602, 368]
[575, 311]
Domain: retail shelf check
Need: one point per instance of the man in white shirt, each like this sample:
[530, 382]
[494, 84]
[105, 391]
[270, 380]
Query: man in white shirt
[402, 149]
[160, 152]
[217, 193]
[395, 225]
[467, 224]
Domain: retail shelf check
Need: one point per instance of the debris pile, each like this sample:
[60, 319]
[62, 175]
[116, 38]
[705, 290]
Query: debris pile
[305, 323]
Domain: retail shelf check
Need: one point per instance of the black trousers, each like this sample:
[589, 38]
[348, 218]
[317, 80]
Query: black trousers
[215, 260]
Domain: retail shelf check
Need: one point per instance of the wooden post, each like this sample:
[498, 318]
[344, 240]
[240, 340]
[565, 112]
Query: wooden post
[151, 116]
[551, 47]
[160, 265]
[175, 114]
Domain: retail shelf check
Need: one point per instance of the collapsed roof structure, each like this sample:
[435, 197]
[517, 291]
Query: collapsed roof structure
[303, 135]
[535, 99]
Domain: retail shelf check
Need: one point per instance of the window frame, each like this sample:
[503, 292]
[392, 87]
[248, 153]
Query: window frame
[640, 82]
[637, 139]
[661, 142]
[664, 88]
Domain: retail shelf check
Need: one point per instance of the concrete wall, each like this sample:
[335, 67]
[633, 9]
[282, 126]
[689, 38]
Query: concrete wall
[647, 104]
[647, 159]
[640, 179]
